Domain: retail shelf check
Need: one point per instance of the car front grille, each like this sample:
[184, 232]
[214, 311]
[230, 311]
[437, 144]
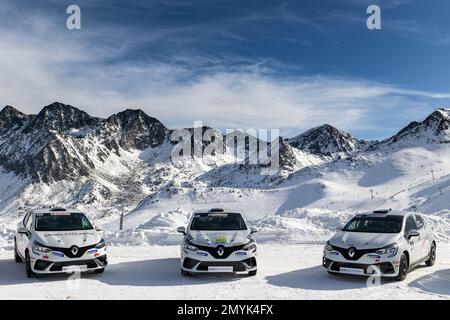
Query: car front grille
[214, 251]
[358, 253]
[385, 267]
[68, 251]
[57, 266]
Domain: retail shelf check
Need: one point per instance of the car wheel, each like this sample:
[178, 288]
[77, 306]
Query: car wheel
[100, 270]
[431, 256]
[252, 273]
[403, 268]
[29, 271]
[185, 273]
[17, 258]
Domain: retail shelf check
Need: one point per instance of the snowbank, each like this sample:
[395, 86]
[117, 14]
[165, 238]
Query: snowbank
[6, 238]
[161, 229]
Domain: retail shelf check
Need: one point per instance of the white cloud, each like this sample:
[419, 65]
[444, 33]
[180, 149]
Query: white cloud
[41, 62]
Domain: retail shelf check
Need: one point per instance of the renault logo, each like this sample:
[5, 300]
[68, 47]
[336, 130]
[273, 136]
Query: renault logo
[74, 250]
[220, 251]
[351, 252]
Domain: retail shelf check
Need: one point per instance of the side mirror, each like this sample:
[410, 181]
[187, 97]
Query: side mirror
[253, 230]
[181, 230]
[338, 229]
[22, 230]
[98, 229]
[413, 233]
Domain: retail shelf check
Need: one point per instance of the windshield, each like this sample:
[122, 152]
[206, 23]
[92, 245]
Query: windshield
[62, 221]
[218, 221]
[388, 224]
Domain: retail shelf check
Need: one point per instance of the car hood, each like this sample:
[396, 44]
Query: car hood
[66, 239]
[363, 240]
[215, 238]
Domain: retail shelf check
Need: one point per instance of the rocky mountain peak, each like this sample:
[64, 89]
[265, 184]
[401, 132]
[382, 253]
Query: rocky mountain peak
[61, 117]
[133, 128]
[435, 128]
[11, 117]
[325, 140]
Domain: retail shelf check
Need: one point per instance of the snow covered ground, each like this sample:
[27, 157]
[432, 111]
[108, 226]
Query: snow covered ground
[289, 271]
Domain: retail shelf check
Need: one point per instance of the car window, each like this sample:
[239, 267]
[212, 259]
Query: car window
[375, 224]
[25, 219]
[217, 221]
[419, 222]
[62, 221]
[410, 224]
[29, 222]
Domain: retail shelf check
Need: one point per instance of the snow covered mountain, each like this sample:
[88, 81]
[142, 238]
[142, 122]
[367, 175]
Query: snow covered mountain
[434, 129]
[64, 143]
[64, 156]
[326, 140]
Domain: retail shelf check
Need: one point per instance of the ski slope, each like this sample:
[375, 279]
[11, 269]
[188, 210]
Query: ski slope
[152, 272]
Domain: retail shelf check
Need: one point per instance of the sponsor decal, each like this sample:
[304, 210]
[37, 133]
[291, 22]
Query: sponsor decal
[58, 254]
[221, 240]
[373, 256]
[69, 234]
[241, 253]
[333, 253]
[204, 254]
[221, 215]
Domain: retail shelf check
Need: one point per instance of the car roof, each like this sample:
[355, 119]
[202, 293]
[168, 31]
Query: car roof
[385, 213]
[215, 210]
[56, 209]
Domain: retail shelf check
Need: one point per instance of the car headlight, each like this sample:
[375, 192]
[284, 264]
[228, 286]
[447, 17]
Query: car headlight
[101, 244]
[40, 248]
[251, 245]
[328, 246]
[189, 246]
[390, 250]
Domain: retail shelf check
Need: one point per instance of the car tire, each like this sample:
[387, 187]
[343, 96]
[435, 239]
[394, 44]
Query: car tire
[252, 273]
[431, 255]
[17, 258]
[28, 270]
[99, 270]
[403, 268]
[185, 273]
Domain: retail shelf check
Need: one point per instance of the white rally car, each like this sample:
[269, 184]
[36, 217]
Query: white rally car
[384, 242]
[216, 241]
[58, 240]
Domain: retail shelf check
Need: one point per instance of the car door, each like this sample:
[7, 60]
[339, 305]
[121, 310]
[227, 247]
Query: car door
[20, 237]
[424, 239]
[415, 252]
[26, 236]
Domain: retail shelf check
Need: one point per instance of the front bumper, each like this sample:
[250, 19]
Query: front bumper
[55, 262]
[238, 262]
[367, 265]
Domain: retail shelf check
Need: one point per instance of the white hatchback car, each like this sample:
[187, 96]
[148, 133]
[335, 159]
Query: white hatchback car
[216, 241]
[384, 242]
[58, 240]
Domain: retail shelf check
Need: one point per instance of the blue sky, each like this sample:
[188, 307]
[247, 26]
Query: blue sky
[232, 64]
